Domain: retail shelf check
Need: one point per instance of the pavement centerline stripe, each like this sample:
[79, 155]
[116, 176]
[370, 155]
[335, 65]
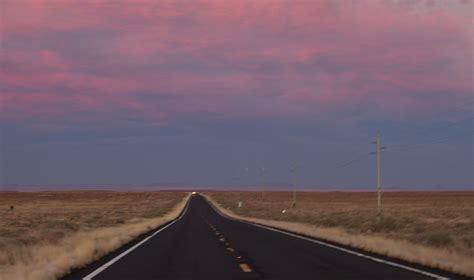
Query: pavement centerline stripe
[245, 267]
[375, 259]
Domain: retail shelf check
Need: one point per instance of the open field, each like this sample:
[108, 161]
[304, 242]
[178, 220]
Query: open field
[433, 228]
[44, 234]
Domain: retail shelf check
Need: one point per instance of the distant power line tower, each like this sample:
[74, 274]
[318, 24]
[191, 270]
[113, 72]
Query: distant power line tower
[378, 153]
[263, 171]
[293, 170]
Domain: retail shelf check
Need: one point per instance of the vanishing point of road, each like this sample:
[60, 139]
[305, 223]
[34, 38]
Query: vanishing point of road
[203, 244]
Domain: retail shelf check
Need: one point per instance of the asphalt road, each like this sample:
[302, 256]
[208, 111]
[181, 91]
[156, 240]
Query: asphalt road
[202, 244]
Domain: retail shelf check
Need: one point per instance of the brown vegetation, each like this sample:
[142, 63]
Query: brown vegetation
[45, 234]
[432, 228]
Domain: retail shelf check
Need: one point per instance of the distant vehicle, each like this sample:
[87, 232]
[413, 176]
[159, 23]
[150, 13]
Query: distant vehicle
[194, 193]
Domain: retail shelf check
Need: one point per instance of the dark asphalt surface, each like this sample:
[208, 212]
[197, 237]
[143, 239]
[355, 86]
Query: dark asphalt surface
[206, 245]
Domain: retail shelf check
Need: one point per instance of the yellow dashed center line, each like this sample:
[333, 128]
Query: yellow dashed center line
[245, 267]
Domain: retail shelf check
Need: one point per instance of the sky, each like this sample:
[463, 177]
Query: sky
[209, 93]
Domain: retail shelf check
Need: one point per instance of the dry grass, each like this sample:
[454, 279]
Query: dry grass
[431, 228]
[46, 234]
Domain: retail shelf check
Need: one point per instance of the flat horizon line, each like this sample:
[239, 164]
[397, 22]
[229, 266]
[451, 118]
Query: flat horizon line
[141, 188]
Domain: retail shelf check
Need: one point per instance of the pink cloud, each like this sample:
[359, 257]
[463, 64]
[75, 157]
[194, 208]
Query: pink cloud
[234, 59]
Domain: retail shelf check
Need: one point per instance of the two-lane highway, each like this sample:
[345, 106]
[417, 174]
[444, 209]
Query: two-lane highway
[202, 244]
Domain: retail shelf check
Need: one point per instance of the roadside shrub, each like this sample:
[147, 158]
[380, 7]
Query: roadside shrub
[384, 224]
[435, 238]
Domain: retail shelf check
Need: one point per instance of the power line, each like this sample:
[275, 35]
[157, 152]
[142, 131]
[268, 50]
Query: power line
[460, 122]
[354, 160]
[438, 140]
[429, 139]
[400, 148]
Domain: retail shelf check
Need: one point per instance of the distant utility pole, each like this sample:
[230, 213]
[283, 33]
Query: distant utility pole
[378, 149]
[293, 172]
[262, 174]
[245, 175]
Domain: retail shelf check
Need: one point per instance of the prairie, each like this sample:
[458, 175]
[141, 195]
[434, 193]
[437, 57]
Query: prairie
[432, 228]
[43, 235]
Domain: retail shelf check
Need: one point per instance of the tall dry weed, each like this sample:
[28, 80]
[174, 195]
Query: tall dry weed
[52, 261]
[437, 256]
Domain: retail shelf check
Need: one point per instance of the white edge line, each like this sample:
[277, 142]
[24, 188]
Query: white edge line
[332, 246]
[123, 254]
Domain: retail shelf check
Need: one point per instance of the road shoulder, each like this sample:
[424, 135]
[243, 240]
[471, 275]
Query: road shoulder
[401, 251]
